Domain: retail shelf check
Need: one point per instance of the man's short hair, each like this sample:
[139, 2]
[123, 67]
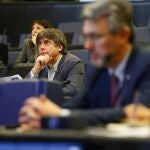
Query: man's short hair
[42, 22]
[118, 12]
[55, 35]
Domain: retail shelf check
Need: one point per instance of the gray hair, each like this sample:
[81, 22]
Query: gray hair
[118, 12]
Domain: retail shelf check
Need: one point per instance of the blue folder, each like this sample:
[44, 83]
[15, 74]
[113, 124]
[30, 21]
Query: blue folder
[13, 95]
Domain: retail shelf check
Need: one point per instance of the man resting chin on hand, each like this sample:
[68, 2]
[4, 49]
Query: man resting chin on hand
[41, 62]
[55, 63]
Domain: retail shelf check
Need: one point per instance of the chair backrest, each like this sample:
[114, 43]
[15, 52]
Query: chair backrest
[22, 39]
[69, 38]
[70, 27]
[142, 34]
[77, 39]
[74, 30]
[12, 56]
[82, 54]
[3, 38]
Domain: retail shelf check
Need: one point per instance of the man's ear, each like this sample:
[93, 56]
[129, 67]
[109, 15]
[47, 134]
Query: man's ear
[125, 34]
[60, 47]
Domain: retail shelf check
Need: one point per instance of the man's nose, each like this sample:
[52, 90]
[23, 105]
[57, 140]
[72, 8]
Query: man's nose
[89, 45]
[41, 46]
[34, 30]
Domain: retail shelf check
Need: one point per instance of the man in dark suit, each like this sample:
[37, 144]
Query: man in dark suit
[54, 63]
[122, 79]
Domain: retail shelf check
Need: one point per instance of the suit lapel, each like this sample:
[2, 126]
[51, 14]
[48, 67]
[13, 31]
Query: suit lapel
[99, 95]
[105, 85]
[60, 65]
[133, 72]
[44, 73]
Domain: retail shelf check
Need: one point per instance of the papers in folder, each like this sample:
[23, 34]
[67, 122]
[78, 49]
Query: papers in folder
[125, 130]
[120, 130]
[11, 78]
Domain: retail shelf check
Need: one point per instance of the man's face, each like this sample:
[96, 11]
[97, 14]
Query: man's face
[49, 47]
[100, 42]
[36, 28]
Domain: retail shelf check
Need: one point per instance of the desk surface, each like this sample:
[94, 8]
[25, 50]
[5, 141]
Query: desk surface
[89, 134]
[42, 135]
[84, 137]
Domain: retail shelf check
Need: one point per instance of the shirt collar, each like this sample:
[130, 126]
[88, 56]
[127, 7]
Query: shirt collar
[55, 66]
[120, 69]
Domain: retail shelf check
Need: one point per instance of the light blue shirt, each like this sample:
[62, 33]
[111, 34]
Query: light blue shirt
[119, 71]
[52, 70]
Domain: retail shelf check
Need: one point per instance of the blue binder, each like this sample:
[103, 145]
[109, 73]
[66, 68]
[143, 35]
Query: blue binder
[13, 95]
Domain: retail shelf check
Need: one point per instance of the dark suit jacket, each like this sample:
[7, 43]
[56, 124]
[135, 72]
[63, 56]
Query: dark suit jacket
[28, 52]
[70, 68]
[96, 99]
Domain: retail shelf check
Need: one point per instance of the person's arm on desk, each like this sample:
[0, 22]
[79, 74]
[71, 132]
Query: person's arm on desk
[137, 111]
[36, 108]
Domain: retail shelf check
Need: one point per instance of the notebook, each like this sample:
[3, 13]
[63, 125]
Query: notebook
[13, 95]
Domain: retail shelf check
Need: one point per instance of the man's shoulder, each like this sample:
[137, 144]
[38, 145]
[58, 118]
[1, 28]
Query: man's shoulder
[139, 61]
[142, 50]
[141, 53]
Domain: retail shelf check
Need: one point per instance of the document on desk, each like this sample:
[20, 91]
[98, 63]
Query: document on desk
[121, 131]
[11, 78]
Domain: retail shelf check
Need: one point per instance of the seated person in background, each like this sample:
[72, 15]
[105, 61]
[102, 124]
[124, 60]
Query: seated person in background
[3, 54]
[29, 50]
[55, 63]
[122, 80]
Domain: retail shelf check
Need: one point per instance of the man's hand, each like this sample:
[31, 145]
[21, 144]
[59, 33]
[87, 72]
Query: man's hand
[34, 109]
[41, 62]
[137, 111]
[33, 39]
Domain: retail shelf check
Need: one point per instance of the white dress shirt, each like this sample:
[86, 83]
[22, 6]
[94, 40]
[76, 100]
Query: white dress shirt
[51, 70]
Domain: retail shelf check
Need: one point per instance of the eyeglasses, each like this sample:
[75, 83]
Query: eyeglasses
[45, 42]
[95, 36]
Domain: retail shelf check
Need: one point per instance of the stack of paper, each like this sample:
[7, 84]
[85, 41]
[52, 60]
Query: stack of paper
[113, 130]
[11, 78]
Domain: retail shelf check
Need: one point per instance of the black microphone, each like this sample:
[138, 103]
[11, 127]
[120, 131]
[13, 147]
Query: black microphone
[66, 82]
[62, 83]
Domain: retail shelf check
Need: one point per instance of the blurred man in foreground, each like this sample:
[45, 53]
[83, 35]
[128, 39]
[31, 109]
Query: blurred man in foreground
[120, 87]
